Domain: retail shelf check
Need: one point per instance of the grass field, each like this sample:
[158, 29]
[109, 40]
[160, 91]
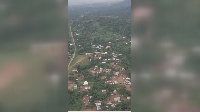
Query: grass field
[79, 60]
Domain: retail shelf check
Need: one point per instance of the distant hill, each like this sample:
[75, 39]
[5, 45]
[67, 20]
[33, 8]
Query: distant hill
[118, 9]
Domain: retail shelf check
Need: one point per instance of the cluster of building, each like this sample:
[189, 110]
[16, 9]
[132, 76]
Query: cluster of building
[109, 64]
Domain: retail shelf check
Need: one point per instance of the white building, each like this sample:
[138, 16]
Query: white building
[87, 87]
[75, 86]
[85, 83]
[98, 106]
[117, 99]
[115, 82]
[113, 106]
[117, 73]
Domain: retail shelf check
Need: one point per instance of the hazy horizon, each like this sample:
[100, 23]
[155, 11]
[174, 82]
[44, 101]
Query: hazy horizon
[83, 2]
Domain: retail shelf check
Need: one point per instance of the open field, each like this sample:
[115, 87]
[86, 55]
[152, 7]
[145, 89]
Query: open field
[79, 60]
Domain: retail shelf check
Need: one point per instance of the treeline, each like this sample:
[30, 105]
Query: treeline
[120, 9]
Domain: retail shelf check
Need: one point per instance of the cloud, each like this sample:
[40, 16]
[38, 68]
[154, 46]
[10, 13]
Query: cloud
[80, 2]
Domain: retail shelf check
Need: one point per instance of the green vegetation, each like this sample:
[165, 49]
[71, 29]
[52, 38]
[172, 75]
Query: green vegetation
[75, 100]
[94, 27]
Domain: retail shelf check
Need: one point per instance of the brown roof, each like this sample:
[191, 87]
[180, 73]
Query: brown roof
[74, 69]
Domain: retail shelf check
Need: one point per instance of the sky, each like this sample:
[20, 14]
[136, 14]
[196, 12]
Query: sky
[81, 2]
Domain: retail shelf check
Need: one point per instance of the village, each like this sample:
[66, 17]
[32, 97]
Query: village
[104, 69]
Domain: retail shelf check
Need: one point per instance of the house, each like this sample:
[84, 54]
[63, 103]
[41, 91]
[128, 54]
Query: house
[113, 106]
[107, 47]
[98, 105]
[128, 98]
[108, 70]
[104, 91]
[75, 86]
[93, 71]
[87, 87]
[88, 53]
[117, 67]
[115, 82]
[74, 69]
[98, 53]
[104, 53]
[117, 99]
[116, 73]
[85, 83]
[101, 70]
[77, 34]
[109, 103]
[108, 81]
[98, 108]
[128, 82]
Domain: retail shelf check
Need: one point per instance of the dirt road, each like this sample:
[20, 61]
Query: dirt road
[74, 48]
